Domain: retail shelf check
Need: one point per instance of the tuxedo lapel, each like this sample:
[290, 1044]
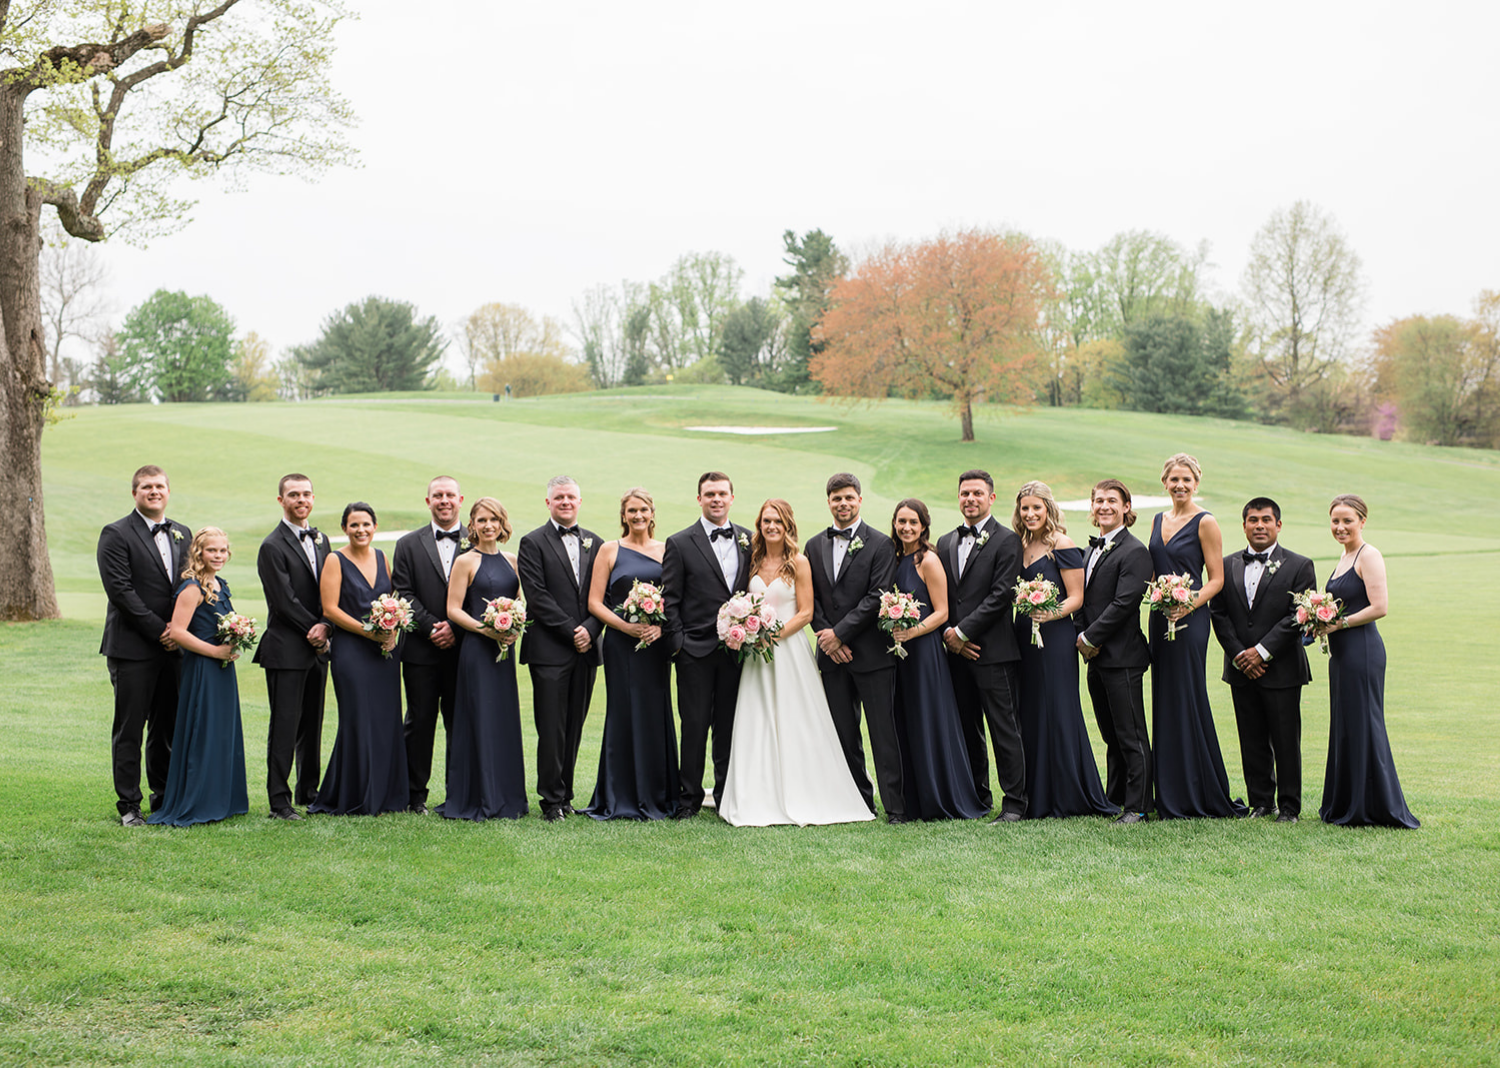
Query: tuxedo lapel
[825, 556]
[560, 551]
[953, 558]
[700, 539]
[145, 538]
[293, 545]
[1234, 578]
[429, 542]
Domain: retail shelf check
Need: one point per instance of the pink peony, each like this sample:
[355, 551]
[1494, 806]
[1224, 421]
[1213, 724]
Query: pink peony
[752, 624]
[648, 605]
[1037, 597]
[736, 636]
[1325, 613]
[1302, 615]
[503, 621]
[1181, 594]
[1155, 596]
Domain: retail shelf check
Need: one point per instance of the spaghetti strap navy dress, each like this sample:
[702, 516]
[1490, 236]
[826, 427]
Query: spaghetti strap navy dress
[1190, 776]
[638, 776]
[1062, 776]
[1360, 787]
[486, 773]
[206, 778]
[366, 773]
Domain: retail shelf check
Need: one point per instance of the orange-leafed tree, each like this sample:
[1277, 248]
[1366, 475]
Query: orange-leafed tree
[956, 315]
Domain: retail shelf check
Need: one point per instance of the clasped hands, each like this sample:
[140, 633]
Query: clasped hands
[831, 647]
[1250, 663]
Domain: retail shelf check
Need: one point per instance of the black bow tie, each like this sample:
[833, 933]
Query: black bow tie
[308, 532]
[835, 532]
[451, 535]
[565, 531]
[721, 532]
[1255, 558]
[968, 532]
[160, 528]
[1098, 543]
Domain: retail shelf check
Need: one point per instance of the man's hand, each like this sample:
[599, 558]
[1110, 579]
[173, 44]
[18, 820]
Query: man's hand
[955, 644]
[843, 655]
[317, 636]
[582, 640]
[828, 641]
[166, 639]
[1085, 650]
[442, 635]
[1246, 659]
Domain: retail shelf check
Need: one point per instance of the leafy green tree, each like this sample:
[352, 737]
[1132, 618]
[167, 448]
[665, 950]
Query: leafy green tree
[747, 352]
[113, 378]
[816, 265]
[374, 346]
[1173, 365]
[636, 336]
[181, 345]
[255, 378]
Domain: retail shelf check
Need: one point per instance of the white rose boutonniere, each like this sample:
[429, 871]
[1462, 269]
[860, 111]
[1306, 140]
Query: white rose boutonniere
[588, 543]
[322, 538]
[463, 545]
[855, 545]
[744, 541]
[1273, 567]
[176, 534]
[979, 541]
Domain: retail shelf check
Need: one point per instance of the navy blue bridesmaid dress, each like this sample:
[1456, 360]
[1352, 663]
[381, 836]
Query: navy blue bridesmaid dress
[935, 760]
[486, 773]
[206, 778]
[366, 772]
[1360, 787]
[638, 761]
[1190, 776]
[1062, 777]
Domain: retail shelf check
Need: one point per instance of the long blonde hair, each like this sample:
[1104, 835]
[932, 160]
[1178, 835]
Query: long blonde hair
[1051, 528]
[197, 569]
[758, 544]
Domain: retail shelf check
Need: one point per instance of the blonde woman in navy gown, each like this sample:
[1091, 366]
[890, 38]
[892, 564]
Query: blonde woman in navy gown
[366, 773]
[486, 772]
[1062, 776]
[638, 776]
[1190, 775]
[1360, 787]
[206, 778]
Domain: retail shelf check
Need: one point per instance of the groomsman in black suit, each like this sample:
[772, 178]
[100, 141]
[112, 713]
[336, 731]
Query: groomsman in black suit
[556, 565]
[140, 562]
[294, 649]
[1264, 661]
[702, 567]
[851, 564]
[983, 559]
[1116, 569]
[422, 562]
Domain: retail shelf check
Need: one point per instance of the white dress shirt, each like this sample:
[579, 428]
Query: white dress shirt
[573, 544]
[726, 549]
[163, 542]
[841, 547]
[1096, 553]
[1255, 571]
[966, 544]
[309, 549]
[447, 549]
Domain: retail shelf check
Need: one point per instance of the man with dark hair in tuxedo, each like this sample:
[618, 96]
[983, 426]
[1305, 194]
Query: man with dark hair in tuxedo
[982, 559]
[1116, 569]
[1264, 661]
[422, 562]
[140, 559]
[294, 649]
[561, 649]
[702, 567]
[851, 563]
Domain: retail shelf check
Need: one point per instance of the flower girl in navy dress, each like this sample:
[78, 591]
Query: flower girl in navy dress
[206, 778]
[1360, 786]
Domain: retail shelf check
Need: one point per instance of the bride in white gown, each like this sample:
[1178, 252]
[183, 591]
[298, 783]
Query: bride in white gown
[785, 761]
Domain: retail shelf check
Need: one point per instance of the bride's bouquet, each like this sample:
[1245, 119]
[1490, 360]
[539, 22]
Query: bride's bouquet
[748, 627]
[1167, 592]
[1036, 595]
[643, 604]
[1314, 610]
[899, 610]
[242, 632]
[505, 616]
[389, 614]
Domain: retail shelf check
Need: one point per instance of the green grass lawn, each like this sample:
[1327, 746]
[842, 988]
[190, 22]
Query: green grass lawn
[405, 940]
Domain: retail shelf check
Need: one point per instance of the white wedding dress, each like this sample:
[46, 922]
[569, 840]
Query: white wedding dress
[785, 761]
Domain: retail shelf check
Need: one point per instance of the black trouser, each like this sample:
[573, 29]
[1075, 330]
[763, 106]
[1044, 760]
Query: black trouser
[560, 702]
[296, 731]
[1120, 711]
[847, 691]
[986, 694]
[707, 689]
[145, 696]
[431, 690]
[1270, 726]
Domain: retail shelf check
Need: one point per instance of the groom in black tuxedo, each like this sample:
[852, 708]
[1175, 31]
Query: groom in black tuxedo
[422, 562]
[556, 565]
[294, 649]
[141, 558]
[703, 566]
[851, 563]
[1116, 569]
[1264, 661]
[982, 559]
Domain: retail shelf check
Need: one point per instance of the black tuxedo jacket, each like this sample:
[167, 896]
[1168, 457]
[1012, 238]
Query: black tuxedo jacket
[851, 603]
[1271, 622]
[293, 602]
[557, 600]
[693, 586]
[1111, 614]
[417, 575]
[980, 604]
[139, 589]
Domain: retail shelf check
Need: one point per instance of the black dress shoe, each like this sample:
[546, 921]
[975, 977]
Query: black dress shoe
[1006, 817]
[1258, 811]
[420, 809]
[284, 814]
[1286, 817]
[554, 815]
[1130, 817]
[132, 818]
[684, 813]
[897, 817]
[569, 810]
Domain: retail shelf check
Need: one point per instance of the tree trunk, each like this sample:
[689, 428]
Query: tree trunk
[966, 416]
[26, 588]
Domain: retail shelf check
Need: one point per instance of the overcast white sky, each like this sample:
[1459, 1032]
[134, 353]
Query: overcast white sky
[526, 152]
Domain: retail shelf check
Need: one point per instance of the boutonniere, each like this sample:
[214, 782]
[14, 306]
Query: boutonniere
[176, 534]
[744, 541]
[322, 538]
[856, 544]
[588, 543]
[979, 541]
[463, 545]
[1273, 567]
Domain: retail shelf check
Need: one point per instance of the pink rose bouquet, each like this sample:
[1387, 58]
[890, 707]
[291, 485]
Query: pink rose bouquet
[1315, 609]
[643, 604]
[389, 614]
[899, 610]
[505, 616]
[1034, 596]
[242, 632]
[1167, 592]
[748, 627]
